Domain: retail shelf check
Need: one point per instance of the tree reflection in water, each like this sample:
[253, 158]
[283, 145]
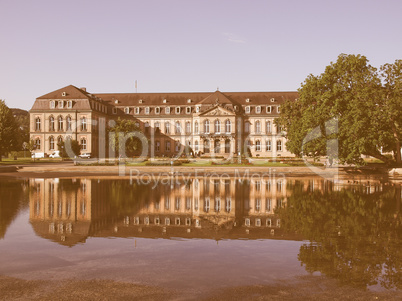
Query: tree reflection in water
[354, 236]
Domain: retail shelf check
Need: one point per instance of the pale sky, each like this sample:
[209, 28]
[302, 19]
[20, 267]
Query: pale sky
[185, 46]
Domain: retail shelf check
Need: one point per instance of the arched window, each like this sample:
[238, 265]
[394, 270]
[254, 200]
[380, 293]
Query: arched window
[177, 127]
[51, 123]
[247, 127]
[228, 126]
[69, 123]
[269, 147]
[167, 127]
[37, 143]
[268, 126]
[59, 140]
[206, 146]
[188, 127]
[37, 124]
[83, 143]
[196, 146]
[217, 146]
[258, 127]
[60, 122]
[196, 127]
[206, 126]
[258, 145]
[217, 126]
[227, 146]
[51, 143]
[83, 124]
[157, 127]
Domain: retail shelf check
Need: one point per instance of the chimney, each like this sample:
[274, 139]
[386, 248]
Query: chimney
[84, 89]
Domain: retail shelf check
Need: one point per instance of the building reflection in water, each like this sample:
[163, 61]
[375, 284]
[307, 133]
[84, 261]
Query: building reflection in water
[351, 228]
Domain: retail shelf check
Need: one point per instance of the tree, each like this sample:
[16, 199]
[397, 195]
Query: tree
[348, 102]
[121, 137]
[8, 130]
[69, 148]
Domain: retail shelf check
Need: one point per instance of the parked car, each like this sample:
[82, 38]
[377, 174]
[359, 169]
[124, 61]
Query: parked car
[85, 156]
[37, 155]
[56, 154]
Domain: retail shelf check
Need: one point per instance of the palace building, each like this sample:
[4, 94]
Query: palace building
[210, 124]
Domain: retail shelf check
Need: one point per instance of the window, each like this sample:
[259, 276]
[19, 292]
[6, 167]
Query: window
[268, 127]
[188, 110]
[188, 127]
[269, 109]
[268, 144]
[167, 110]
[114, 111]
[247, 109]
[206, 126]
[69, 104]
[157, 146]
[196, 146]
[197, 109]
[278, 109]
[227, 146]
[196, 127]
[177, 127]
[147, 110]
[258, 127]
[247, 127]
[140, 101]
[51, 123]
[157, 110]
[167, 127]
[258, 109]
[177, 110]
[68, 123]
[279, 129]
[37, 124]
[127, 110]
[37, 143]
[83, 143]
[59, 139]
[206, 146]
[83, 124]
[167, 146]
[61, 104]
[177, 146]
[247, 99]
[164, 101]
[279, 145]
[217, 126]
[217, 146]
[228, 126]
[258, 145]
[60, 122]
[51, 143]
[52, 104]
[157, 127]
[272, 99]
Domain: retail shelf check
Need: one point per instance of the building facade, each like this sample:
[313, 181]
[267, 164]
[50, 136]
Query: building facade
[214, 124]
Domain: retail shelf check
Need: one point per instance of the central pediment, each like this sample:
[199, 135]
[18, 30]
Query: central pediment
[217, 111]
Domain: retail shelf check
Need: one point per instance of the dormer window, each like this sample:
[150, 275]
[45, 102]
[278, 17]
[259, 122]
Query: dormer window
[147, 110]
[247, 109]
[167, 110]
[52, 104]
[177, 110]
[69, 104]
[164, 101]
[127, 110]
[272, 99]
[269, 109]
[188, 100]
[157, 110]
[114, 110]
[140, 101]
[137, 110]
[258, 109]
[61, 104]
[278, 109]
[188, 110]
[64, 94]
[116, 101]
[197, 109]
[247, 99]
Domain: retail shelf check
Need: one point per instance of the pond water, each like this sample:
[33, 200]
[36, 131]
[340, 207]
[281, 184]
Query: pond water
[202, 233]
